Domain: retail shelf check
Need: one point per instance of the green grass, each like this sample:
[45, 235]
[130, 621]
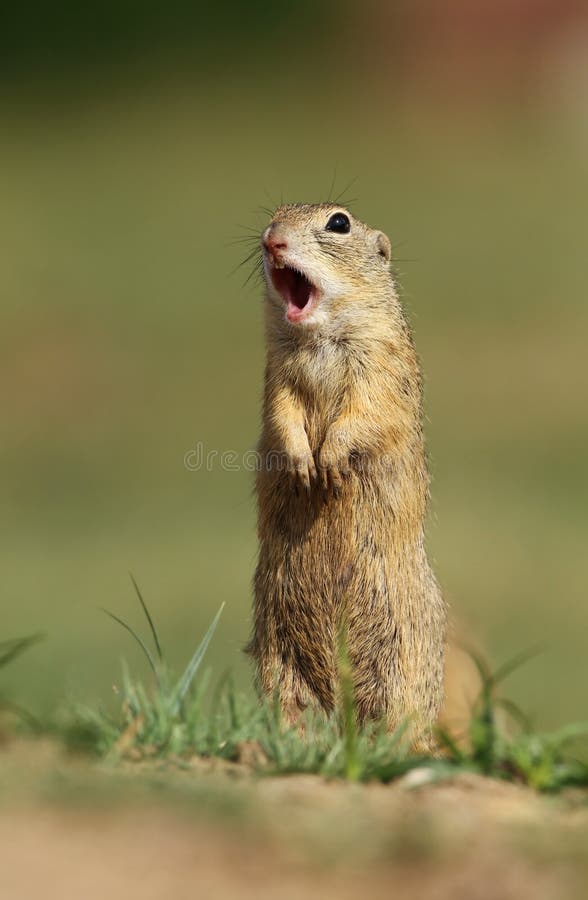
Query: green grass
[10, 650]
[179, 718]
[544, 761]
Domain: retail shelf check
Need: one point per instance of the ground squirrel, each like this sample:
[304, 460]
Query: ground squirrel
[342, 484]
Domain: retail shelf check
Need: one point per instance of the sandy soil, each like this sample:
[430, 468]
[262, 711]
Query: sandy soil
[68, 830]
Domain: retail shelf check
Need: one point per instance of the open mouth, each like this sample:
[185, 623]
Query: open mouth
[298, 293]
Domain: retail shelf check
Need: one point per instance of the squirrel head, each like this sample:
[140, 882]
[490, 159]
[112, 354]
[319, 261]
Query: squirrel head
[322, 264]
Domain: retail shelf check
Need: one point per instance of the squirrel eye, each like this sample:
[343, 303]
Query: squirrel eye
[339, 223]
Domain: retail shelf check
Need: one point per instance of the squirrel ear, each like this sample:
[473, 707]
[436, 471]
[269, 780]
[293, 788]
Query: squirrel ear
[383, 246]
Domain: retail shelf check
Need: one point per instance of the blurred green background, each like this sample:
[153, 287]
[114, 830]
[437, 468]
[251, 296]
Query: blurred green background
[137, 144]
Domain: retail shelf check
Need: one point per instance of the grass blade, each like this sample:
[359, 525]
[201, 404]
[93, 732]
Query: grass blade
[185, 681]
[23, 714]
[234, 717]
[479, 662]
[515, 712]
[516, 662]
[148, 617]
[449, 744]
[9, 650]
[568, 733]
[350, 729]
[138, 639]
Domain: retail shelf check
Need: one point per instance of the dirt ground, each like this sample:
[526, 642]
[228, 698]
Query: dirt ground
[69, 829]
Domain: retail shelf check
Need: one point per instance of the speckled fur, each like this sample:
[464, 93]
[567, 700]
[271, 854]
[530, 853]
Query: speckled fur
[341, 524]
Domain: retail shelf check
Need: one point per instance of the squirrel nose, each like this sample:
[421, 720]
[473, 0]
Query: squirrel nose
[273, 241]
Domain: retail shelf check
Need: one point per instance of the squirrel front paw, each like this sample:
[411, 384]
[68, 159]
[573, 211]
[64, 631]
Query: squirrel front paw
[333, 464]
[302, 469]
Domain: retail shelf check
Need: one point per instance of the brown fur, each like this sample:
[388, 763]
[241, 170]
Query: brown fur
[341, 524]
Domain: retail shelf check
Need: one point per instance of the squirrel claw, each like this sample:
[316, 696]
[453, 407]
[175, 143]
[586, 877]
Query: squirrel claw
[303, 475]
